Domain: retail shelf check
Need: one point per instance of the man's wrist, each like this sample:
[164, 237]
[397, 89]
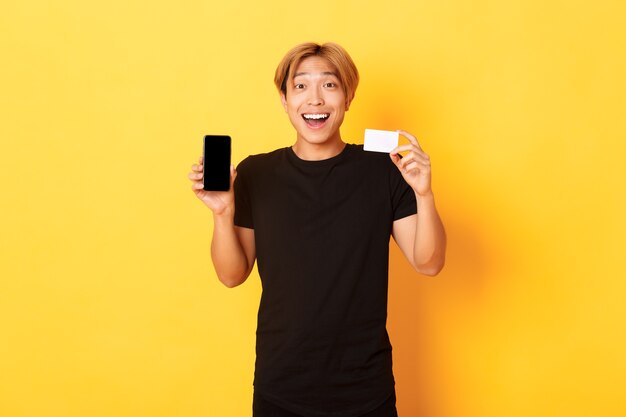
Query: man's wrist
[226, 216]
[424, 197]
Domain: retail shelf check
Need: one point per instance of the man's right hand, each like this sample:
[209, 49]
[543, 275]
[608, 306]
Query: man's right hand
[220, 202]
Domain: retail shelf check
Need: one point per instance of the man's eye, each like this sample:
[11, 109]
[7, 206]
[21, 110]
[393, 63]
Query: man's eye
[330, 85]
[298, 86]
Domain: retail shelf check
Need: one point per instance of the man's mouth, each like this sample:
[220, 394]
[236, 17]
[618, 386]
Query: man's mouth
[315, 120]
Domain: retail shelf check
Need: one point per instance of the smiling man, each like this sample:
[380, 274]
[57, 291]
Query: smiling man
[317, 218]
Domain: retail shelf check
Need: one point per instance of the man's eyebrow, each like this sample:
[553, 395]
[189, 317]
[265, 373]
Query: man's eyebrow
[308, 73]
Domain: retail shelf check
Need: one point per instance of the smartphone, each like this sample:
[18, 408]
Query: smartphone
[216, 166]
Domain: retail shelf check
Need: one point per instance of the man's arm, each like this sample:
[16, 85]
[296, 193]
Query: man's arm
[233, 251]
[421, 236]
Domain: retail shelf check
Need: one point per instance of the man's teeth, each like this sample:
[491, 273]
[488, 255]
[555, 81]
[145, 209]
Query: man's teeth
[316, 116]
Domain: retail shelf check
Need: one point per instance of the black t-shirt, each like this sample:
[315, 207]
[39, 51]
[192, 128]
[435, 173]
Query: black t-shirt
[322, 231]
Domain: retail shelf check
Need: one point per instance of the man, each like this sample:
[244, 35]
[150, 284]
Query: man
[317, 217]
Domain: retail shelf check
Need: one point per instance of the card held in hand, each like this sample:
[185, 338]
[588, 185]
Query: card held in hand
[380, 140]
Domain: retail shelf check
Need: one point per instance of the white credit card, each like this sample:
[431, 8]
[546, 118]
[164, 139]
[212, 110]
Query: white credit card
[380, 140]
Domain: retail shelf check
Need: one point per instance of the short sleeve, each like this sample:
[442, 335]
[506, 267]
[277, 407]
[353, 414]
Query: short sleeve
[243, 207]
[402, 195]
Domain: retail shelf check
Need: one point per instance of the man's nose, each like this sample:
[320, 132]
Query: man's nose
[315, 97]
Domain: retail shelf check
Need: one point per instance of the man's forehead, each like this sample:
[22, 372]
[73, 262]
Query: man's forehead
[313, 73]
[314, 65]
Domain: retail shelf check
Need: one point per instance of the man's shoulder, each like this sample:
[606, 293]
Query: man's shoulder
[380, 159]
[355, 153]
[261, 160]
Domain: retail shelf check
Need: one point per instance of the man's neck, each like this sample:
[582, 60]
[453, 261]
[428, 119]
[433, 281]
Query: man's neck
[317, 152]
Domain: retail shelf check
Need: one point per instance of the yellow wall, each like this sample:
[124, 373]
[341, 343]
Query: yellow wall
[108, 302]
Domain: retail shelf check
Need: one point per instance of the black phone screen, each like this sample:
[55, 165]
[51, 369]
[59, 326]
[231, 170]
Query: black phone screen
[216, 163]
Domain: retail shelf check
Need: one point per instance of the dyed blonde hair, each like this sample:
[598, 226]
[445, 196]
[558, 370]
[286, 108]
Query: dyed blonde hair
[337, 56]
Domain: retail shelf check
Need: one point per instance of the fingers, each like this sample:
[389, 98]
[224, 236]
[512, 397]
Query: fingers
[198, 167]
[410, 137]
[413, 150]
[196, 175]
[233, 175]
[197, 178]
[418, 157]
[409, 165]
[413, 160]
[402, 148]
[396, 158]
[414, 165]
[196, 171]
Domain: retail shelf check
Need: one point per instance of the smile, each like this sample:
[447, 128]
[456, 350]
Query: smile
[315, 120]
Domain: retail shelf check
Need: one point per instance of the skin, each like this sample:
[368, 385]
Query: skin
[421, 237]
[316, 89]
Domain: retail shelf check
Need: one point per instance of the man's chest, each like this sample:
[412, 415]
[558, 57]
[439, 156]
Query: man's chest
[292, 204]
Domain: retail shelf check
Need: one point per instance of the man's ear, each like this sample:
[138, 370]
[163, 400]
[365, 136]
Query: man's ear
[348, 102]
[283, 100]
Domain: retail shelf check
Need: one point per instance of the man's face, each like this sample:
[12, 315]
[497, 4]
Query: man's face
[315, 101]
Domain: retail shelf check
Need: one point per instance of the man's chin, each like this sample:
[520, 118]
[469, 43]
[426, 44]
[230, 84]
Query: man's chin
[317, 139]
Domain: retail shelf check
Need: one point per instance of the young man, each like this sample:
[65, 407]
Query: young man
[317, 217]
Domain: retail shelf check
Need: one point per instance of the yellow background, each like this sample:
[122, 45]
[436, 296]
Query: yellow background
[109, 305]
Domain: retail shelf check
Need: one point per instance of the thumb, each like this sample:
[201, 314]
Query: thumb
[233, 175]
[395, 158]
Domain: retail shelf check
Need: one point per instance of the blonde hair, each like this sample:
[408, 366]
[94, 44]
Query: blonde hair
[337, 56]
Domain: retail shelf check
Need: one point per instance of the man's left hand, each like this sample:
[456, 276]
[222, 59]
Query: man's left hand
[414, 166]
